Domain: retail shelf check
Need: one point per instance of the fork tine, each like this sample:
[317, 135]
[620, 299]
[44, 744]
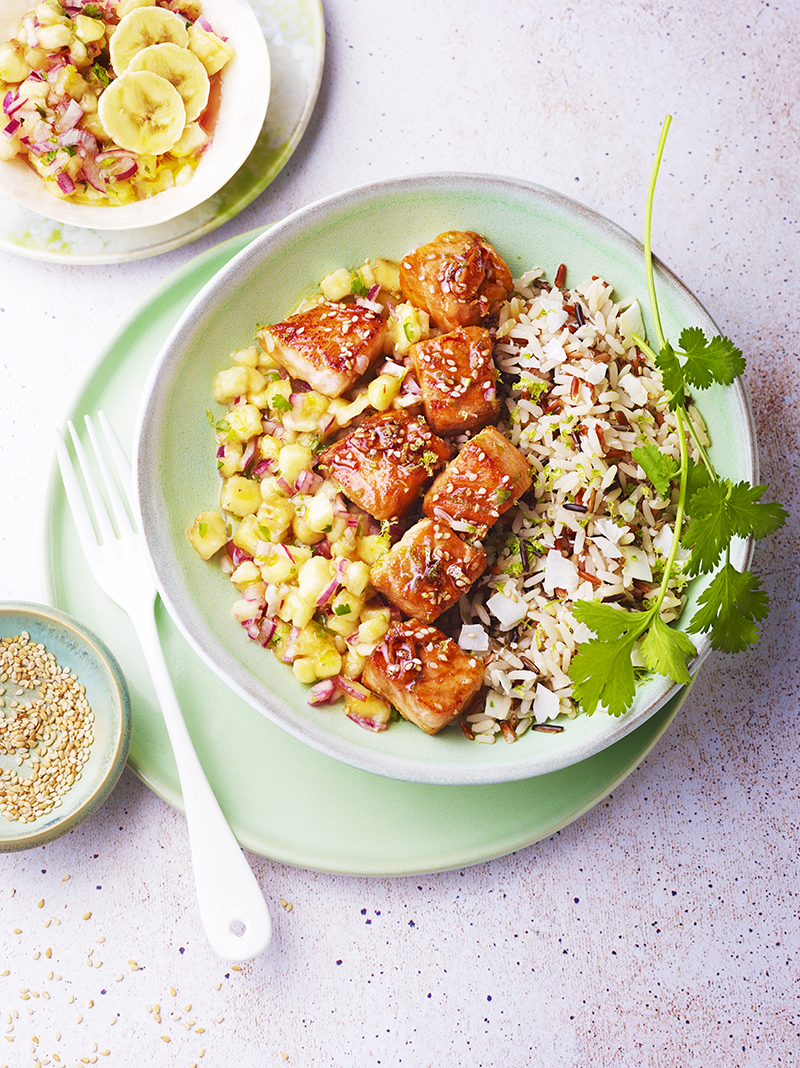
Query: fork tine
[100, 512]
[117, 505]
[80, 512]
[118, 455]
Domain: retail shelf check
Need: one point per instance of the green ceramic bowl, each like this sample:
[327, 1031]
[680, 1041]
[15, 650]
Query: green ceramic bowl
[176, 473]
[74, 647]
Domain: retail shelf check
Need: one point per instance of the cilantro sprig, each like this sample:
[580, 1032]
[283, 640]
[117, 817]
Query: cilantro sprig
[710, 512]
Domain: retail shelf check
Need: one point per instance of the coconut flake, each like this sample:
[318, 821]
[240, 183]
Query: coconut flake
[509, 612]
[637, 566]
[546, 704]
[559, 573]
[473, 638]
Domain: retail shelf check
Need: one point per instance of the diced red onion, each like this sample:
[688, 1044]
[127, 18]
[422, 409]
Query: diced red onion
[323, 548]
[263, 468]
[91, 173]
[12, 128]
[367, 724]
[127, 171]
[325, 423]
[220, 452]
[15, 104]
[347, 687]
[308, 482]
[281, 482]
[203, 23]
[287, 551]
[65, 183]
[328, 592]
[323, 692]
[374, 291]
[237, 555]
[249, 453]
[70, 118]
[266, 631]
[82, 138]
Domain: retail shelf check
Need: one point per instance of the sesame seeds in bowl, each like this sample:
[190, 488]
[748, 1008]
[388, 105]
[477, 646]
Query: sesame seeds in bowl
[65, 723]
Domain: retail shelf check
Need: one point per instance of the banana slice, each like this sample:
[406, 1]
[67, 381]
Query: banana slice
[142, 112]
[142, 27]
[211, 50]
[182, 69]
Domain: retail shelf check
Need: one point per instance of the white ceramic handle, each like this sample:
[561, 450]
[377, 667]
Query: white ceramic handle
[232, 907]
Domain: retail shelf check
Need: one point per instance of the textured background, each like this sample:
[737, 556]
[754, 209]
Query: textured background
[662, 927]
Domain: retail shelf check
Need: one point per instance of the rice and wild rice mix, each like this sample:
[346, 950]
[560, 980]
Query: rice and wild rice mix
[436, 443]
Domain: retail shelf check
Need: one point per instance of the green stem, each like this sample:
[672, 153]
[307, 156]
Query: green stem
[700, 447]
[648, 250]
[679, 511]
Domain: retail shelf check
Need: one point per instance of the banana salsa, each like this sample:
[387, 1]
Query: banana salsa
[111, 102]
[341, 559]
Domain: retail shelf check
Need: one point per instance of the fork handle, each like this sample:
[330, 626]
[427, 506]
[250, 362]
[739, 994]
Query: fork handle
[228, 894]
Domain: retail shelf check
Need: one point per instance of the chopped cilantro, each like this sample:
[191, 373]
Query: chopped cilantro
[358, 287]
[280, 403]
[101, 74]
[342, 610]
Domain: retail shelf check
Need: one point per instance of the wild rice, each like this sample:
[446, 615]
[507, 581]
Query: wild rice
[579, 398]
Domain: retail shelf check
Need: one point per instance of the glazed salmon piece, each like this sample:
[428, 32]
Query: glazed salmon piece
[487, 477]
[385, 464]
[458, 278]
[330, 346]
[424, 674]
[458, 379]
[427, 571]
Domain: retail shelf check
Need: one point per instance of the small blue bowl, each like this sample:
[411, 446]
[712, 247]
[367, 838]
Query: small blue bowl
[96, 669]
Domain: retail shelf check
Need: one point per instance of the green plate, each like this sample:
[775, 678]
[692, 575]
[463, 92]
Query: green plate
[295, 35]
[284, 799]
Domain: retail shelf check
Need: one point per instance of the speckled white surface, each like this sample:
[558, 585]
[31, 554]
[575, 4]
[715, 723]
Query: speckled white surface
[662, 927]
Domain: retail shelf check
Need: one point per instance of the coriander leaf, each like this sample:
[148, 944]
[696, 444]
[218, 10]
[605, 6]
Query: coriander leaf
[358, 286]
[659, 466]
[697, 477]
[717, 360]
[748, 517]
[665, 650]
[602, 673]
[609, 623]
[730, 607]
[709, 533]
[671, 375]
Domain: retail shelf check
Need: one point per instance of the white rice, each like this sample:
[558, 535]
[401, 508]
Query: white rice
[578, 399]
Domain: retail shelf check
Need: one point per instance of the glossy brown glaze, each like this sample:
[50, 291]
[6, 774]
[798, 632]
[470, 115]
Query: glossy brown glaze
[487, 478]
[424, 674]
[427, 571]
[385, 463]
[458, 379]
[458, 278]
[330, 346]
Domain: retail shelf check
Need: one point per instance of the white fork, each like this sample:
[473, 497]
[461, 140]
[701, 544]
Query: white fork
[232, 906]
